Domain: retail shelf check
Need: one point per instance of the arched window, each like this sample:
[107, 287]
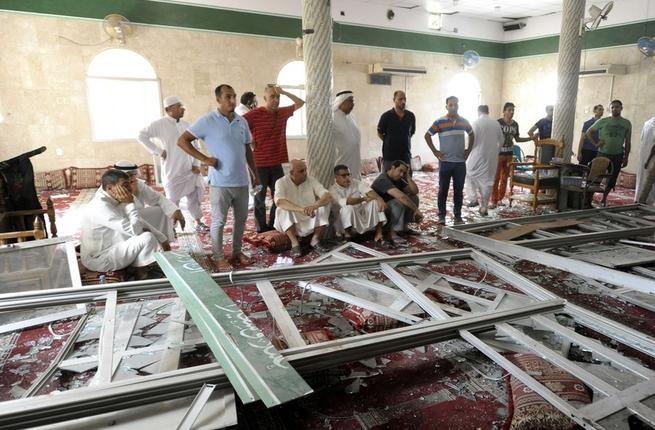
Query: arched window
[123, 95]
[292, 79]
[466, 88]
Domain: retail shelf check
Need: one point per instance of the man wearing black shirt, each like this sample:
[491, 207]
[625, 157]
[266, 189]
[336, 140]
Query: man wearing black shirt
[396, 128]
[400, 193]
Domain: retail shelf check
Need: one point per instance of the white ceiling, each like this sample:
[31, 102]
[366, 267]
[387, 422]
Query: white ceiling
[478, 19]
[495, 10]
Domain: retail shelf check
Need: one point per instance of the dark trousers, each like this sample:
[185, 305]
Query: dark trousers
[456, 171]
[267, 178]
[616, 160]
[587, 156]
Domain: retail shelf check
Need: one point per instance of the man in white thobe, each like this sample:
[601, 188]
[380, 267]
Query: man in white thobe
[153, 206]
[357, 207]
[114, 236]
[483, 159]
[303, 207]
[247, 103]
[346, 135]
[180, 172]
[646, 171]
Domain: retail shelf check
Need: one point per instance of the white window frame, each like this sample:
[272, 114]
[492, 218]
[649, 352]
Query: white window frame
[90, 102]
[470, 106]
[300, 91]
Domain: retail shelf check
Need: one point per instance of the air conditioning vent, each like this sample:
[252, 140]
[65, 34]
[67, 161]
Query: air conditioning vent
[604, 69]
[392, 69]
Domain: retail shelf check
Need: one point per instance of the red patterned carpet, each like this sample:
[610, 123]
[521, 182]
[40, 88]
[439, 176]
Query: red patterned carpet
[443, 386]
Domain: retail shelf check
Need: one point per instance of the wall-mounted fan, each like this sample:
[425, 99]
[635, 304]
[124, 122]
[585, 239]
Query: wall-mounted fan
[647, 46]
[471, 59]
[596, 15]
[117, 27]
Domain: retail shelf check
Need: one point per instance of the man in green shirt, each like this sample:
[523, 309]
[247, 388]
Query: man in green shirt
[613, 142]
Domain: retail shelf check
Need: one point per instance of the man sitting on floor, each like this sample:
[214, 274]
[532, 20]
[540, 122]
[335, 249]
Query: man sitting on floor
[303, 207]
[114, 236]
[400, 193]
[359, 209]
[161, 213]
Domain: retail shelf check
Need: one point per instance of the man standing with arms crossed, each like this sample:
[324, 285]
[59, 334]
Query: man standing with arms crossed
[227, 139]
[614, 137]
[268, 125]
[180, 172]
[452, 155]
[396, 128]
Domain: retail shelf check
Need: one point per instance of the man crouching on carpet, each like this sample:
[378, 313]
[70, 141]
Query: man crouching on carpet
[160, 212]
[114, 236]
[303, 207]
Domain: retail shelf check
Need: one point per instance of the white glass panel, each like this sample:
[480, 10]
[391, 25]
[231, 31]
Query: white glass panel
[296, 125]
[292, 74]
[119, 109]
[121, 63]
[466, 88]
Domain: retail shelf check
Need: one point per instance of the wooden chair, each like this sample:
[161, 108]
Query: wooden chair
[21, 213]
[537, 177]
[594, 179]
[38, 229]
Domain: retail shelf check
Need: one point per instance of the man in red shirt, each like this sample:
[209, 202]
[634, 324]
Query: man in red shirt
[268, 126]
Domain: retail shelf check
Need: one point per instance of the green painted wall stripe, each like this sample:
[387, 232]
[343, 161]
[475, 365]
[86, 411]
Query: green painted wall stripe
[619, 35]
[205, 18]
[358, 35]
[197, 17]
[171, 14]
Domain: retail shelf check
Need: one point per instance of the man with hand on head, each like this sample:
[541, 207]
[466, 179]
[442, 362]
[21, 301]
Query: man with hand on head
[303, 207]
[268, 125]
[152, 206]
[248, 103]
[180, 172]
[346, 135]
[400, 194]
[227, 138]
[114, 236]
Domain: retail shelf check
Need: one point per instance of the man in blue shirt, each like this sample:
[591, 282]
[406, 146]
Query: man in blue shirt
[545, 128]
[586, 150]
[452, 155]
[227, 138]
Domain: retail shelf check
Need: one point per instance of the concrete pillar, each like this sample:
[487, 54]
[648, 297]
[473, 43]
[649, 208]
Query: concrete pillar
[568, 67]
[317, 52]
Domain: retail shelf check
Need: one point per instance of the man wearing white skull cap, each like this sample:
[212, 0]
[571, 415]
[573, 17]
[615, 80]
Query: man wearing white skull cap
[346, 135]
[180, 172]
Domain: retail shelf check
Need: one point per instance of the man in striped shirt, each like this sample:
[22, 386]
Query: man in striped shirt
[268, 126]
[452, 155]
